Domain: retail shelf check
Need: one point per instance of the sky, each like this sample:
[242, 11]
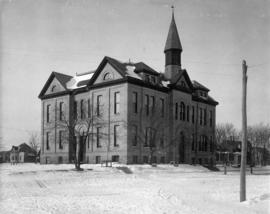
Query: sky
[72, 36]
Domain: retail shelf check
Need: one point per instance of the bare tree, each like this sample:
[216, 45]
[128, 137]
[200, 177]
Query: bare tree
[78, 127]
[34, 141]
[259, 136]
[225, 131]
[151, 131]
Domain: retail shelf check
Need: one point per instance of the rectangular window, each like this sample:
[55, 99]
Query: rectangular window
[161, 141]
[135, 159]
[211, 118]
[145, 159]
[75, 110]
[88, 141]
[48, 113]
[82, 110]
[201, 116]
[162, 107]
[60, 139]
[147, 104]
[98, 159]
[176, 111]
[98, 137]
[117, 102]
[193, 142]
[211, 144]
[115, 135]
[135, 102]
[205, 144]
[187, 113]
[60, 159]
[147, 137]
[115, 158]
[134, 133]
[204, 117]
[99, 100]
[152, 103]
[47, 140]
[162, 159]
[61, 111]
[193, 114]
[88, 108]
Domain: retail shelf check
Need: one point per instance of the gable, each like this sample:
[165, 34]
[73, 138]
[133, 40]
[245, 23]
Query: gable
[108, 73]
[54, 87]
[183, 82]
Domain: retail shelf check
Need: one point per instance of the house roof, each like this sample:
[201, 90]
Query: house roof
[128, 70]
[173, 40]
[62, 78]
[198, 85]
[142, 67]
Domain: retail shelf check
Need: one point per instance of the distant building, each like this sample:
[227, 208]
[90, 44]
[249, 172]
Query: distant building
[4, 156]
[140, 108]
[22, 153]
[230, 152]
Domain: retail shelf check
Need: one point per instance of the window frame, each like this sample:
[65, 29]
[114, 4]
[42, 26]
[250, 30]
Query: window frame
[117, 102]
[135, 101]
[116, 135]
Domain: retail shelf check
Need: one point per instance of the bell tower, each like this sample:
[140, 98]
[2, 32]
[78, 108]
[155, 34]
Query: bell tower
[173, 50]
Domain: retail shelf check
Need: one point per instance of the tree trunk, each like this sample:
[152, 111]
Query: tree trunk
[78, 149]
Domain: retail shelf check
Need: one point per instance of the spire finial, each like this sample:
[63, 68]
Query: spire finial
[172, 10]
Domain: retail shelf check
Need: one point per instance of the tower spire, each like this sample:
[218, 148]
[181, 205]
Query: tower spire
[172, 50]
[173, 40]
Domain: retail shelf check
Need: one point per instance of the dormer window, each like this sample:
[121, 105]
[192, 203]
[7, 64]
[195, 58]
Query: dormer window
[153, 79]
[147, 78]
[202, 93]
[107, 76]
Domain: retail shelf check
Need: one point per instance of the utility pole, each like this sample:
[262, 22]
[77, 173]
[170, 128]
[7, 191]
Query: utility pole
[244, 136]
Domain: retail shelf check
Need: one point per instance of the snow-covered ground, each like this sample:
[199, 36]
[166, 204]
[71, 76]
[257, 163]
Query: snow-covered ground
[34, 188]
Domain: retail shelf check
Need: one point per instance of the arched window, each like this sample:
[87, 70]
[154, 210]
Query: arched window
[107, 76]
[182, 111]
[53, 88]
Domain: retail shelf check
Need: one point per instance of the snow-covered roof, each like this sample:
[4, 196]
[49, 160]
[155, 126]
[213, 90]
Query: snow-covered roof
[79, 80]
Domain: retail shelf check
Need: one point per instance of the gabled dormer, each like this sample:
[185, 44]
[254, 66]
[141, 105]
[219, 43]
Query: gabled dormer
[147, 74]
[55, 84]
[200, 90]
[182, 82]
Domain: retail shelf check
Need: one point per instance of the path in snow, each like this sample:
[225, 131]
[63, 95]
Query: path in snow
[34, 188]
